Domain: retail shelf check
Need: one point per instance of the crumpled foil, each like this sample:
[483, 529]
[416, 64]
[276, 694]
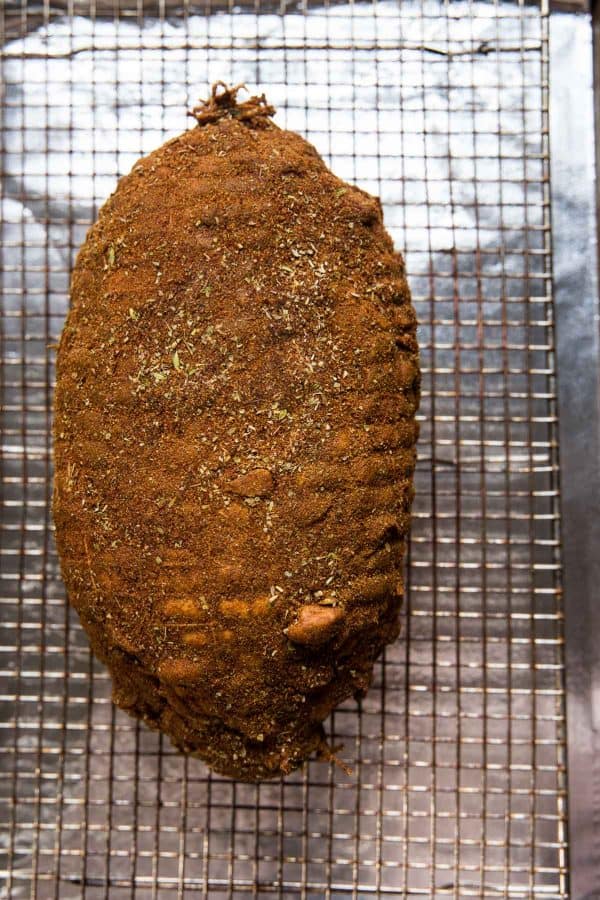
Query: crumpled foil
[439, 110]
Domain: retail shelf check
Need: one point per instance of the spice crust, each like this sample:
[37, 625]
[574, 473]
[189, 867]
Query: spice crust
[235, 439]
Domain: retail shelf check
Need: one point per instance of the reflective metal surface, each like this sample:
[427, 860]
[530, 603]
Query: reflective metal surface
[578, 352]
[458, 752]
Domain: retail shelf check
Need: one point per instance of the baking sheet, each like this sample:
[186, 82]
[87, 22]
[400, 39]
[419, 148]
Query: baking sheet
[458, 781]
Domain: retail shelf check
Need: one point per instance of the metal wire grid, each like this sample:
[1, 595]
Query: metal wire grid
[458, 784]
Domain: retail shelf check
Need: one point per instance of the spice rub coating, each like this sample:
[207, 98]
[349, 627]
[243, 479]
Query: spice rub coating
[235, 440]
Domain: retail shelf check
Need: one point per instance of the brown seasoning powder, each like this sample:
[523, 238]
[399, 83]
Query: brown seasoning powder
[235, 440]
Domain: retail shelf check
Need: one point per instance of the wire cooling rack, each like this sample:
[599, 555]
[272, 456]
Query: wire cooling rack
[458, 783]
